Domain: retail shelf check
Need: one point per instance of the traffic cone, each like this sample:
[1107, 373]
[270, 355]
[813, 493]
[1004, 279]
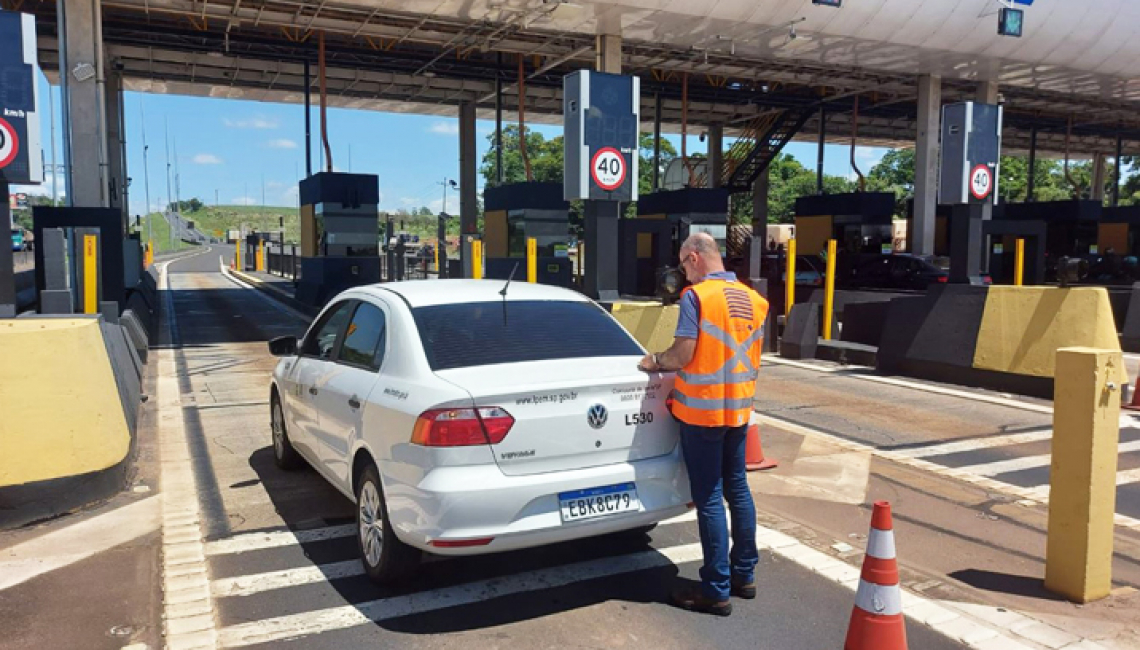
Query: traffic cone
[1135, 404]
[877, 619]
[754, 453]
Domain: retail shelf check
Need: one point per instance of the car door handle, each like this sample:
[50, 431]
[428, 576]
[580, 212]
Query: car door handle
[353, 402]
[312, 390]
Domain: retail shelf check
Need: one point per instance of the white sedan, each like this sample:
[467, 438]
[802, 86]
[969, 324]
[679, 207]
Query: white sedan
[470, 416]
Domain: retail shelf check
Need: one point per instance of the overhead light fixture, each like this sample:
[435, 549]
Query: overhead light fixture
[1010, 22]
[828, 3]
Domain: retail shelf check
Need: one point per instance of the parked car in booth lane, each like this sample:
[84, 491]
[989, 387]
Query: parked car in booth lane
[810, 269]
[899, 271]
[472, 416]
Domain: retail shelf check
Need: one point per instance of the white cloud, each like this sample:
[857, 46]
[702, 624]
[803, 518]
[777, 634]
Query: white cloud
[207, 159]
[252, 123]
[281, 143]
[242, 200]
[445, 128]
[868, 157]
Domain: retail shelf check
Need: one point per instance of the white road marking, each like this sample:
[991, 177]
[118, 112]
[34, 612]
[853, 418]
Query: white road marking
[232, 276]
[1025, 462]
[975, 443]
[251, 584]
[77, 542]
[337, 618]
[1123, 477]
[928, 388]
[258, 541]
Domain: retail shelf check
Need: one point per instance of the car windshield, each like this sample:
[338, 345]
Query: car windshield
[487, 333]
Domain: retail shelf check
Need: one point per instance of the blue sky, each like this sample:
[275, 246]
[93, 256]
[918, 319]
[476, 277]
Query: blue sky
[229, 150]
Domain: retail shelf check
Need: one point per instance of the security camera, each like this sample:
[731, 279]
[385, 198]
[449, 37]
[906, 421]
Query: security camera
[702, 136]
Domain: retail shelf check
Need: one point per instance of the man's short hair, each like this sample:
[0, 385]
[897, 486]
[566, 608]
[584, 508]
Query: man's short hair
[703, 244]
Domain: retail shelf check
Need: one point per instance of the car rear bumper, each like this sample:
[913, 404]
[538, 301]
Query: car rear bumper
[478, 502]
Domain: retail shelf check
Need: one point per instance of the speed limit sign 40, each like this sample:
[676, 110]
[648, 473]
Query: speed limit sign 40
[9, 145]
[981, 182]
[607, 168]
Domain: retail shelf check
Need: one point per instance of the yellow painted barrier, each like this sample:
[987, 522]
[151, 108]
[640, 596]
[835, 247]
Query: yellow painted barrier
[237, 256]
[531, 260]
[790, 278]
[1019, 263]
[1023, 327]
[477, 259]
[90, 274]
[651, 323]
[829, 288]
[1082, 478]
[57, 387]
[436, 250]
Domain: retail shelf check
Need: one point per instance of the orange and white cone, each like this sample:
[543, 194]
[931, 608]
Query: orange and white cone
[877, 620]
[754, 458]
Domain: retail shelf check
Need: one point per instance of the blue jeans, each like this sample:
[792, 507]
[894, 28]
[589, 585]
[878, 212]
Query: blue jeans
[715, 459]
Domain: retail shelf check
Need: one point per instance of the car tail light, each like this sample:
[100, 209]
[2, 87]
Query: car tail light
[462, 427]
[460, 543]
[942, 279]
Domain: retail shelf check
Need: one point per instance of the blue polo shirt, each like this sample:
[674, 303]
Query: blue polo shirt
[688, 322]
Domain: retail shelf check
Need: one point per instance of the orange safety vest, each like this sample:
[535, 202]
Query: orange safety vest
[717, 386]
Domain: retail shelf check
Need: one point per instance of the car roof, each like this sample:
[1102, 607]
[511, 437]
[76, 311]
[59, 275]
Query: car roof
[426, 293]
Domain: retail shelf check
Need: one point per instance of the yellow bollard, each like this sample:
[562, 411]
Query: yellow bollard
[237, 256]
[1082, 478]
[437, 245]
[790, 279]
[1019, 263]
[829, 289]
[477, 259]
[531, 260]
[90, 274]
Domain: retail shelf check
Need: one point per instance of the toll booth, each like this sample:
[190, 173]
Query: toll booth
[107, 224]
[1071, 228]
[516, 212]
[340, 234]
[251, 247]
[652, 241]
[1119, 230]
[860, 223]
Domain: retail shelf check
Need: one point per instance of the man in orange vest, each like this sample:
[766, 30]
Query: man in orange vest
[716, 354]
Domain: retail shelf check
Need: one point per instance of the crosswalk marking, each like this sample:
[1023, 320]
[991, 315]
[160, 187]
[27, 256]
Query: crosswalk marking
[1123, 477]
[975, 443]
[248, 585]
[1025, 462]
[258, 541]
[336, 618]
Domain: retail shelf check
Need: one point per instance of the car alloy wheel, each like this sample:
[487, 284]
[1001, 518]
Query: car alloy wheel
[371, 524]
[284, 454]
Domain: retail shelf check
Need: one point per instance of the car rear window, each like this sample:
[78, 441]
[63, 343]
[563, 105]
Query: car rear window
[488, 333]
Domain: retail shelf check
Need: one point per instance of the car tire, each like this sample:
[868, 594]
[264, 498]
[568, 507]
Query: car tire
[386, 559]
[284, 454]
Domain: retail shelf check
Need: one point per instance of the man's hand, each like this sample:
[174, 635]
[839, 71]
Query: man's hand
[648, 364]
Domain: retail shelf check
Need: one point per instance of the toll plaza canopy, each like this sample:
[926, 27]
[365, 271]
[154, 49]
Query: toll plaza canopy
[742, 58]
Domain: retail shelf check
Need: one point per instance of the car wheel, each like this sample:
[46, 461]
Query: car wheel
[386, 559]
[284, 454]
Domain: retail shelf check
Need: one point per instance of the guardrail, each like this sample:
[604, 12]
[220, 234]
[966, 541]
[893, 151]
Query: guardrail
[284, 261]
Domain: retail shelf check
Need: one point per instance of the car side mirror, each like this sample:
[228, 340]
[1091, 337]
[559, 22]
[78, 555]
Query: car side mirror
[283, 346]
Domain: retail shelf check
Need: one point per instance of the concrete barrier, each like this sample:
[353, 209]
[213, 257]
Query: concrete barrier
[1002, 338]
[137, 333]
[651, 323]
[69, 391]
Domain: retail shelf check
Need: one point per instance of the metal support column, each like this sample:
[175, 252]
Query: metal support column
[81, 61]
[987, 93]
[716, 154]
[1098, 178]
[116, 158]
[760, 205]
[7, 276]
[468, 221]
[1116, 172]
[1031, 182]
[926, 164]
[499, 172]
[819, 154]
[308, 121]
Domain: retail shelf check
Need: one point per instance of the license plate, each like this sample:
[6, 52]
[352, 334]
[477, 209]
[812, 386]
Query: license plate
[598, 502]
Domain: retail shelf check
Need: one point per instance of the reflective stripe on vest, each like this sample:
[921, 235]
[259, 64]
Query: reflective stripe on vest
[739, 355]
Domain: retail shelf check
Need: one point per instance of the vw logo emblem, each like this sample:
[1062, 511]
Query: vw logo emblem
[597, 416]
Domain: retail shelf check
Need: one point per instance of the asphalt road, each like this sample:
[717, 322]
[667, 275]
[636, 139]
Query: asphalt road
[282, 564]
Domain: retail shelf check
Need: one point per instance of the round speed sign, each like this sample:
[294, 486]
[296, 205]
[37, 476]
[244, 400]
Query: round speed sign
[9, 145]
[981, 182]
[607, 168]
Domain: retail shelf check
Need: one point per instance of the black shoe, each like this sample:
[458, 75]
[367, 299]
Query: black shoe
[745, 590]
[694, 600]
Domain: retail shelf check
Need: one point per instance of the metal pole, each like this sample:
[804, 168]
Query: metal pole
[64, 96]
[499, 120]
[1116, 172]
[146, 173]
[656, 141]
[54, 169]
[819, 154]
[308, 125]
[1030, 184]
